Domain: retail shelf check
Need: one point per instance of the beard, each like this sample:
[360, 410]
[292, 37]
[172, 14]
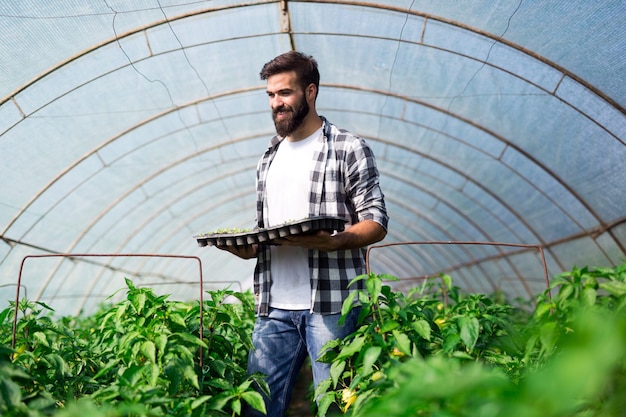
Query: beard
[290, 123]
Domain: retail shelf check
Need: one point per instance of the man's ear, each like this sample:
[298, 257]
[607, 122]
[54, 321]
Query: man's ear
[311, 92]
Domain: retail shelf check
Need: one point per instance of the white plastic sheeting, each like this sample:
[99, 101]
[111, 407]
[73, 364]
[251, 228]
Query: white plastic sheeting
[128, 126]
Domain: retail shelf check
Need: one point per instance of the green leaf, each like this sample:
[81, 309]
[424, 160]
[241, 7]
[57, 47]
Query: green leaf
[181, 351]
[243, 387]
[450, 341]
[365, 397]
[336, 369]
[235, 405]
[191, 376]
[358, 278]
[590, 281]
[10, 394]
[199, 401]
[148, 349]
[5, 313]
[154, 374]
[161, 343]
[219, 367]
[468, 330]
[108, 367]
[446, 279]
[403, 343]
[44, 305]
[131, 376]
[10, 372]
[178, 318]
[389, 325]
[322, 387]
[219, 401]
[422, 327]
[120, 313]
[139, 302]
[388, 277]
[129, 284]
[172, 374]
[589, 296]
[43, 339]
[565, 292]
[193, 339]
[130, 340]
[58, 364]
[219, 383]
[548, 336]
[616, 288]
[354, 347]
[369, 359]
[255, 400]
[374, 286]
[348, 303]
[542, 309]
[324, 403]
[461, 355]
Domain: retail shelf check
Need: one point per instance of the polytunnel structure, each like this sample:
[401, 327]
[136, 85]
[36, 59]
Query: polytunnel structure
[127, 127]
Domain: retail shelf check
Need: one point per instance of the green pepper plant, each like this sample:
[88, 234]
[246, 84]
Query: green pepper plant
[139, 355]
[439, 352]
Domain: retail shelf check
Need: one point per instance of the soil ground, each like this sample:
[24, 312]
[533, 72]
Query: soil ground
[301, 400]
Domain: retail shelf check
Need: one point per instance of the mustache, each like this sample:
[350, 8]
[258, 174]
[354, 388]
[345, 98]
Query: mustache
[282, 108]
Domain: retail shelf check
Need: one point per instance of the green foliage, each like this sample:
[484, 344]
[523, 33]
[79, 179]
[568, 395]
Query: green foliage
[434, 351]
[584, 288]
[395, 328]
[586, 378]
[438, 352]
[139, 357]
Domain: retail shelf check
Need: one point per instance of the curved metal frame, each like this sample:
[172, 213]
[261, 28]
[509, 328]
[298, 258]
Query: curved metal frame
[87, 255]
[520, 245]
[287, 27]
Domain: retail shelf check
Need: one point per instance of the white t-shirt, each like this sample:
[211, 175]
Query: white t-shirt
[288, 185]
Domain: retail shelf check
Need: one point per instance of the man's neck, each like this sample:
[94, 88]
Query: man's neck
[311, 123]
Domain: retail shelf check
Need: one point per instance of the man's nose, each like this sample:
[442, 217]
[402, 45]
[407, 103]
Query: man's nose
[276, 102]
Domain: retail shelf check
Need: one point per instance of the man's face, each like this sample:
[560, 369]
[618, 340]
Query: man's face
[287, 101]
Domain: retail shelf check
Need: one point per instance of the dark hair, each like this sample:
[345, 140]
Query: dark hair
[304, 66]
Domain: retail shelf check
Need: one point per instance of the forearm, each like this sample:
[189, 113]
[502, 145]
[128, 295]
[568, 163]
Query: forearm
[359, 235]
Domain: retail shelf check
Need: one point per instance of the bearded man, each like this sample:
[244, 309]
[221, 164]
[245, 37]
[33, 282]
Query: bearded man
[311, 168]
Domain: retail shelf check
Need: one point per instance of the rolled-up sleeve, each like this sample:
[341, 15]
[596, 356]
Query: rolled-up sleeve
[362, 185]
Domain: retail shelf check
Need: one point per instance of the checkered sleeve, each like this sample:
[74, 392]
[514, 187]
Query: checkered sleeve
[362, 186]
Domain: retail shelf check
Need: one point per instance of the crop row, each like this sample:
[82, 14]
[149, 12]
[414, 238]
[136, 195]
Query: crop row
[434, 351]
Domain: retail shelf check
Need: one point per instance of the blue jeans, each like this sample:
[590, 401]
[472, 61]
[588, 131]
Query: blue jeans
[282, 341]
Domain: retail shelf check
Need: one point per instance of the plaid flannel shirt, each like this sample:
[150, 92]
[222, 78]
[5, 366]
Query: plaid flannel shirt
[344, 183]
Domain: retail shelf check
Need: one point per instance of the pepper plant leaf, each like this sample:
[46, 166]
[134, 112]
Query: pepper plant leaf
[468, 330]
[369, 359]
[422, 328]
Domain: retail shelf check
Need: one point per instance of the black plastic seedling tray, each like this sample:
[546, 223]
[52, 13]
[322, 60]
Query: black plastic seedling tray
[308, 225]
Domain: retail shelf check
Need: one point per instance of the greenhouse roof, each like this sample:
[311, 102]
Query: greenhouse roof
[127, 127]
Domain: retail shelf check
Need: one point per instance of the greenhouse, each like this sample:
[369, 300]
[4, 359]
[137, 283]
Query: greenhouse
[129, 127]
